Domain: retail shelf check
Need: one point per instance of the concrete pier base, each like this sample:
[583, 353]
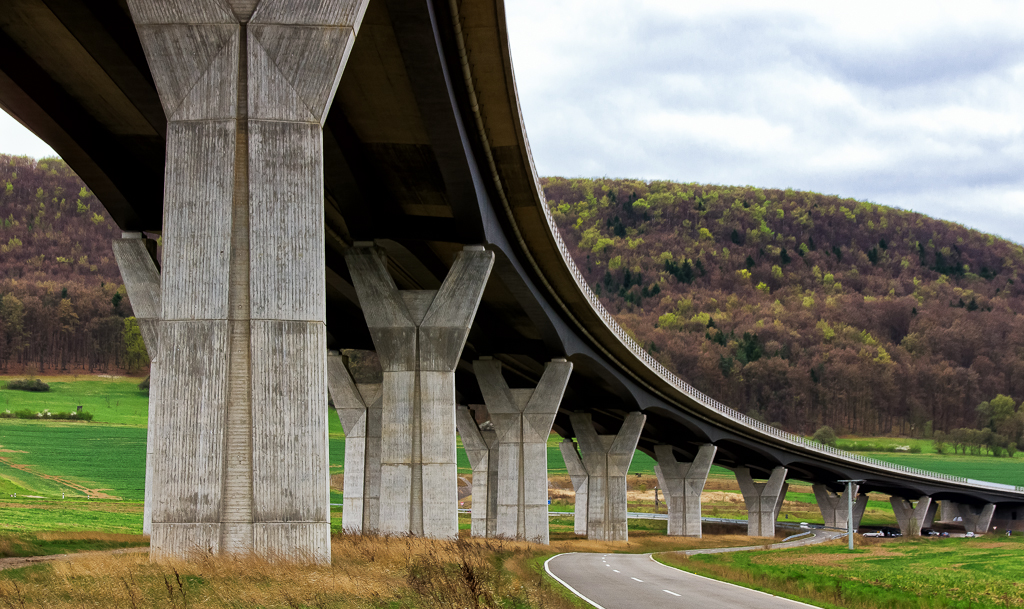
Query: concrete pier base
[482, 449]
[522, 420]
[358, 404]
[909, 516]
[606, 460]
[763, 499]
[976, 518]
[835, 507]
[683, 484]
[419, 336]
[136, 258]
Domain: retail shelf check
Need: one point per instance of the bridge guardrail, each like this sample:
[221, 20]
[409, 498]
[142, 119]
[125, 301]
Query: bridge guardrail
[726, 411]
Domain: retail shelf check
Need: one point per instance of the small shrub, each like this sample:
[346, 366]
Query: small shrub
[28, 385]
[46, 414]
[825, 435]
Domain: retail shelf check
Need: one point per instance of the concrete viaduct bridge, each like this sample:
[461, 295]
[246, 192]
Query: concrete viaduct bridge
[330, 174]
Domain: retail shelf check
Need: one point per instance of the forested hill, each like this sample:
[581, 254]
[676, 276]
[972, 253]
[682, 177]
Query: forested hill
[803, 309]
[62, 306]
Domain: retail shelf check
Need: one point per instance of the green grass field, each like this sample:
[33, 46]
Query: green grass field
[105, 459]
[908, 573]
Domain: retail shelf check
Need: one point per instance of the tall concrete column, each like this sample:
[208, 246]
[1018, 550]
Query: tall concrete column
[606, 459]
[929, 517]
[482, 449]
[683, 484]
[580, 484]
[419, 335]
[522, 420]
[763, 499]
[910, 517]
[240, 428]
[358, 403]
[835, 506]
[136, 258]
[977, 519]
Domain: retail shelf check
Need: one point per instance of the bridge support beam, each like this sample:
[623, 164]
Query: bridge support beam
[605, 459]
[136, 258]
[358, 404]
[240, 428]
[419, 335]
[763, 499]
[522, 420]
[835, 506]
[482, 449]
[977, 519]
[911, 517]
[683, 484]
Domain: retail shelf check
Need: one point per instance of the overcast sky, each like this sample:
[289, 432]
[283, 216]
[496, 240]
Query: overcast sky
[918, 105]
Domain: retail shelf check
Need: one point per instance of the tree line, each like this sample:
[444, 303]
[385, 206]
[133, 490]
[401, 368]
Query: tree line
[62, 304]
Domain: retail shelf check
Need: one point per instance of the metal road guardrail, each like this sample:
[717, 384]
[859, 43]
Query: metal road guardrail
[697, 396]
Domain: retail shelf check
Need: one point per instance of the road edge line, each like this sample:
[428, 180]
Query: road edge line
[722, 581]
[559, 580]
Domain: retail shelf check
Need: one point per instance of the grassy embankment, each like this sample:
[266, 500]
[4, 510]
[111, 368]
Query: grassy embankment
[918, 573]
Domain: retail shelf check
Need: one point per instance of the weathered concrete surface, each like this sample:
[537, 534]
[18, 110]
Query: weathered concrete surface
[835, 507]
[358, 403]
[910, 517]
[136, 259]
[522, 420]
[606, 459]
[419, 335]
[482, 449]
[240, 430]
[977, 519]
[763, 499]
[580, 484]
[683, 484]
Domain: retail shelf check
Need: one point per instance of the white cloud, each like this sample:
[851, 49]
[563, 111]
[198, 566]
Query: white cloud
[17, 140]
[914, 104]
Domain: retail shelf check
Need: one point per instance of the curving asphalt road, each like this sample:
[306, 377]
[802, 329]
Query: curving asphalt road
[626, 581]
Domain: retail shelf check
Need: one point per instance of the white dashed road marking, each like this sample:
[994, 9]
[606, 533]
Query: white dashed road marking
[672, 593]
[637, 580]
[616, 570]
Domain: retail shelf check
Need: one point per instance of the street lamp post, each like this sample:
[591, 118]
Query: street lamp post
[849, 508]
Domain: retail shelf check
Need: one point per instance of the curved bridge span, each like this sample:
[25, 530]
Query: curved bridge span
[207, 122]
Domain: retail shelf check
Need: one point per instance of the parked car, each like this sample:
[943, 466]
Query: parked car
[970, 534]
[872, 534]
[891, 532]
[929, 533]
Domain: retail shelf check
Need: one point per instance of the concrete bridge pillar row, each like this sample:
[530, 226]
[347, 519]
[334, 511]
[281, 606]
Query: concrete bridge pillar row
[482, 449]
[909, 516]
[977, 519]
[358, 404]
[835, 507]
[683, 484]
[522, 421]
[605, 459]
[240, 429]
[763, 499]
[136, 258]
[419, 336]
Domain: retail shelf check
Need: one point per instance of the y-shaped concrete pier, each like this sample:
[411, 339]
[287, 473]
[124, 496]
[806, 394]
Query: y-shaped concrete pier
[358, 403]
[763, 499]
[136, 258]
[835, 507]
[522, 421]
[482, 449]
[683, 484]
[605, 459]
[911, 517]
[239, 426]
[580, 484]
[976, 518]
[419, 335]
